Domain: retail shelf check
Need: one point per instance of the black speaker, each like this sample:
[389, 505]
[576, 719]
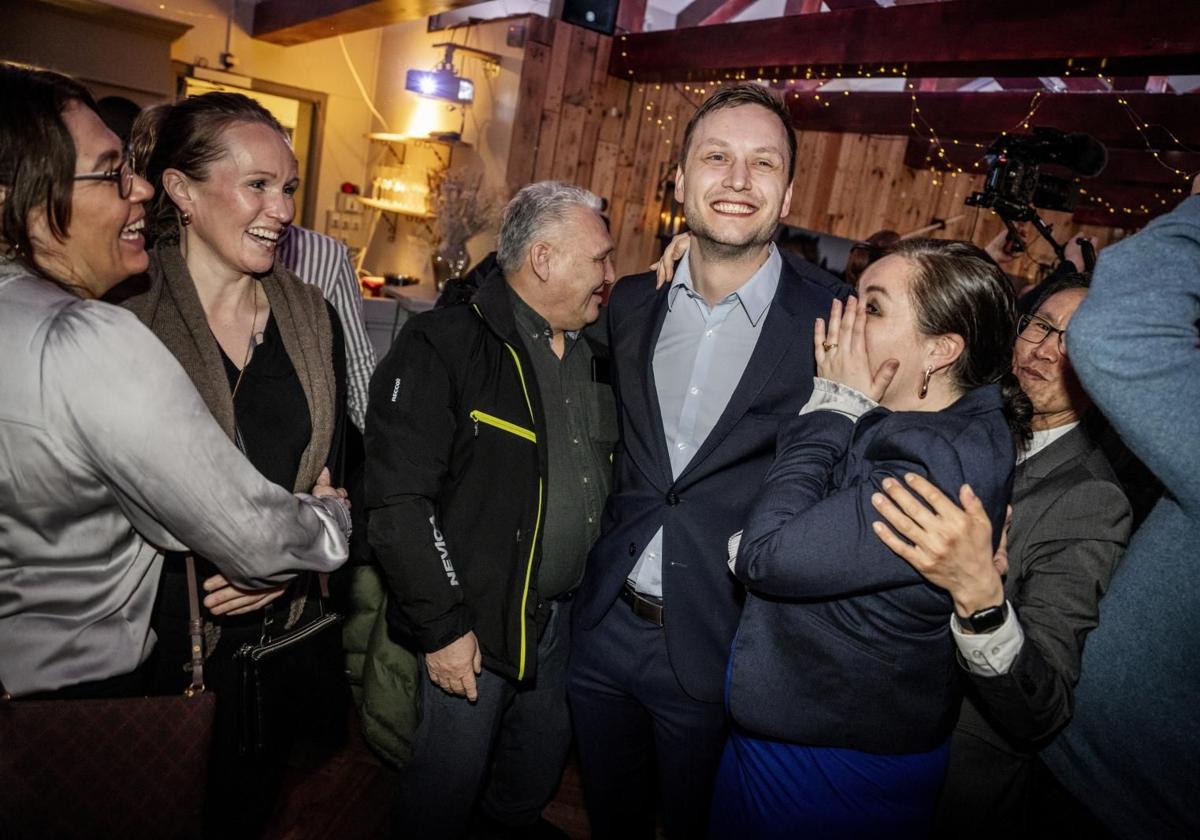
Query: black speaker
[600, 15]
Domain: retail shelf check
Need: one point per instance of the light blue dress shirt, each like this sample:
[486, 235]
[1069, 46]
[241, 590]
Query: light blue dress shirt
[701, 354]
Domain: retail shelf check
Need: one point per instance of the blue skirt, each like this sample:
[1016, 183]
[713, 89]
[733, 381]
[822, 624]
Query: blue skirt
[769, 789]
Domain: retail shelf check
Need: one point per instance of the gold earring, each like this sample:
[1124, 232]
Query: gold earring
[925, 384]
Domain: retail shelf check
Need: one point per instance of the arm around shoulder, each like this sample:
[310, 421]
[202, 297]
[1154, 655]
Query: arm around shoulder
[127, 408]
[805, 538]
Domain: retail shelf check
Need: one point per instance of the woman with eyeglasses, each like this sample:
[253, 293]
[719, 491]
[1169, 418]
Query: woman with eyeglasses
[842, 686]
[107, 453]
[266, 353]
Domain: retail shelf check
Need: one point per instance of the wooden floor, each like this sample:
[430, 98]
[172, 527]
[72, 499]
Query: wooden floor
[348, 796]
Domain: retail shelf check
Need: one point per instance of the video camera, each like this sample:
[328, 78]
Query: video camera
[1016, 186]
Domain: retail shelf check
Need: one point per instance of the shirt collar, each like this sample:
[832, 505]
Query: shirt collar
[755, 295]
[531, 323]
[1043, 438]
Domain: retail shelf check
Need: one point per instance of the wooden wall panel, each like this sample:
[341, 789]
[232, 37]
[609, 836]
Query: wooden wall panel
[527, 119]
[620, 139]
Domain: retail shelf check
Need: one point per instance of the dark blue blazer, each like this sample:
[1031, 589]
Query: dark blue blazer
[711, 497]
[842, 643]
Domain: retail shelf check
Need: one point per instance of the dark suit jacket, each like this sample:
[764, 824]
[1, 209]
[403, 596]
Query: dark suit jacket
[1071, 522]
[842, 643]
[709, 500]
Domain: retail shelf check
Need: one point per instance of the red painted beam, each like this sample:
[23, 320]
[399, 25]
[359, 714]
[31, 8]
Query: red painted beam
[631, 15]
[709, 12]
[801, 7]
[982, 116]
[963, 38]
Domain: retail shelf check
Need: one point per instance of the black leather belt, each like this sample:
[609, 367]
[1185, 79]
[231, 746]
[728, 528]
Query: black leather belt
[644, 606]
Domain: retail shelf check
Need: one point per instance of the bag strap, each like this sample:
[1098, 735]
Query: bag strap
[195, 631]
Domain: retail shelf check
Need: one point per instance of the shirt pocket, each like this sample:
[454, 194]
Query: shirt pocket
[602, 414]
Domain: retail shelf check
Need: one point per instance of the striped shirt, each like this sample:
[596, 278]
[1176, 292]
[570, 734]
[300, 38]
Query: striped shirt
[325, 263]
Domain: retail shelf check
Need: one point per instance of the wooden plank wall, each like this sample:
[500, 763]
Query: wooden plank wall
[619, 139]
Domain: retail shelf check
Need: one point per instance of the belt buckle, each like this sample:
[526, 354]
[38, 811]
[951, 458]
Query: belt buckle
[641, 606]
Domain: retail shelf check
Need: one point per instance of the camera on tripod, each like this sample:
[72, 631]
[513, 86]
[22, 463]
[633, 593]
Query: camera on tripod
[1016, 186]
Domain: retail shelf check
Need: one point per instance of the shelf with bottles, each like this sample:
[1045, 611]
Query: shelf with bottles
[405, 189]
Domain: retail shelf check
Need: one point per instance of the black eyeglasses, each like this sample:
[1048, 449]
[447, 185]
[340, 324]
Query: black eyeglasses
[1033, 329]
[121, 175]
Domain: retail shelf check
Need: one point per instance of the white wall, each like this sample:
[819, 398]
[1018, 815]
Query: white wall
[318, 66]
[487, 128]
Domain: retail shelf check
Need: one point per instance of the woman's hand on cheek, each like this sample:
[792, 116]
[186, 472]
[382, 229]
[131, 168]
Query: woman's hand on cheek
[840, 347]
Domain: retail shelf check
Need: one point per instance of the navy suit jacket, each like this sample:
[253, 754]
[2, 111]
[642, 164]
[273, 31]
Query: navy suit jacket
[842, 643]
[709, 500]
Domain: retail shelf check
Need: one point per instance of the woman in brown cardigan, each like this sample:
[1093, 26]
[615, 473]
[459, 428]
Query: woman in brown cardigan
[265, 352]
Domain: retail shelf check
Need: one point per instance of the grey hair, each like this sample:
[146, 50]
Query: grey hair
[532, 210]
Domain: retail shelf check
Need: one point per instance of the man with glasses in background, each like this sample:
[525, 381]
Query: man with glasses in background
[1020, 635]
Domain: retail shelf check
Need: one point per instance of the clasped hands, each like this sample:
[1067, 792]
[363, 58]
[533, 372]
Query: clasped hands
[224, 598]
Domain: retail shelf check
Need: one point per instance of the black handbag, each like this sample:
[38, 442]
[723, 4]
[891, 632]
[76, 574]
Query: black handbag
[294, 676]
[286, 678]
[109, 767]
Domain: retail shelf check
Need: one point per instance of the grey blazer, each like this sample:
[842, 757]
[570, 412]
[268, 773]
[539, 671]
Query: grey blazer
[1071, 522]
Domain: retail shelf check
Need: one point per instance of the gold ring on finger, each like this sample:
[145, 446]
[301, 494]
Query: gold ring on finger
[828, 346]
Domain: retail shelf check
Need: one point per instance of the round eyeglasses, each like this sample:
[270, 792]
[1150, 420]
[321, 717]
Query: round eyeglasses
[1035, 330]
[121, 175]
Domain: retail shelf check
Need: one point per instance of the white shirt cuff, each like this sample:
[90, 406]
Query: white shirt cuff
[828, 395]
[990, 654]
[734, 544]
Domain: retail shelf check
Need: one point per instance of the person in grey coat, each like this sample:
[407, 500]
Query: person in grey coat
[1132, 751]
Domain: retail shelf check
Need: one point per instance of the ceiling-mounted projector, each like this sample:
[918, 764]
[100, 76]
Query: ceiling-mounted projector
[440, 84]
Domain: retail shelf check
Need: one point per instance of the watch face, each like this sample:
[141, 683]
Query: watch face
[986, 620]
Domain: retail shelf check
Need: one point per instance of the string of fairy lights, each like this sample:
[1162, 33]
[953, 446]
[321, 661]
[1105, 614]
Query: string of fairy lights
[940, 151]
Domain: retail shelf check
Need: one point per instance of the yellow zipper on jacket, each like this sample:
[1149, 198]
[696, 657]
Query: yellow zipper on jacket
[537, 522]
[512, 428]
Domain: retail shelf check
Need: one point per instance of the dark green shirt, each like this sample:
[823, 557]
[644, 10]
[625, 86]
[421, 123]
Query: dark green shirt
[581, 430]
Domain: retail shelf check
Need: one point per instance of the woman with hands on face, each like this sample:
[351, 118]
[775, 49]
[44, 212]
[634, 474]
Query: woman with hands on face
[842, 686]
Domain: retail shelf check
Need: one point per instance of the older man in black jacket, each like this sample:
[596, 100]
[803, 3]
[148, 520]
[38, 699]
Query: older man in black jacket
[489, 435]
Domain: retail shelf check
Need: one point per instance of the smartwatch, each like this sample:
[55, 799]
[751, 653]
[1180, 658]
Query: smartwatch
[985, 620]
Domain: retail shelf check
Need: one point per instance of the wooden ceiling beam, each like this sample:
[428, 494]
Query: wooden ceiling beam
[289, 22]
[963, 38]
[982, 116]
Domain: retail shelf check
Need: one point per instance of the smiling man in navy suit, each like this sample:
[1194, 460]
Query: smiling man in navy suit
[705, 368]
